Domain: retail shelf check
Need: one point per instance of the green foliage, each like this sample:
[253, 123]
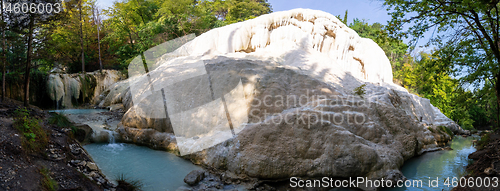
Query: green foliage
[360, 90]
[394, 48]
[485, 140]
[15, 84]
[136, 26]
[466, 36]
[232, 11]
[446, 130]
[88, 83]
[48, 183]
[35, 137]
[444, 91]
[431, 129]
[440, 88]
[59, 120]
[343, 19]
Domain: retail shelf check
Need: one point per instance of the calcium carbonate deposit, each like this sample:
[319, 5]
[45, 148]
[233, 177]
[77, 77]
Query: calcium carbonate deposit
[292, 93]
[67, 89]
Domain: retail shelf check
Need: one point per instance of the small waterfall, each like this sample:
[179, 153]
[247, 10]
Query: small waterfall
[103, 136]
[111, 137]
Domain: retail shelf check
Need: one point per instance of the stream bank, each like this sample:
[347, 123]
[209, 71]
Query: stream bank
[62, 164]
[153, 167]
[450, 162]
[486, 163]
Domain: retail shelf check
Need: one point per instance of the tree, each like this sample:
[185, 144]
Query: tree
[440, 88]
[137, 25]
[343, 19]
[97, 19]
[232, 11]
[28, 62]
[29, 21]
[3, 55]
[467, 35]
[62, 39]
[394, 48]
[81, 35]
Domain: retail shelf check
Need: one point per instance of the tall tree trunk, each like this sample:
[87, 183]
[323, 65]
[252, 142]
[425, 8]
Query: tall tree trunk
[3, 56]
[84, 79]
[28, 63]
[98, 37]
[497, 89]
[140, 10]
[81, 37]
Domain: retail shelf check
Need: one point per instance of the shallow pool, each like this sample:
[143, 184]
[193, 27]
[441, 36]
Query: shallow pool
[156, 170]
[78, 111]
[438, 166]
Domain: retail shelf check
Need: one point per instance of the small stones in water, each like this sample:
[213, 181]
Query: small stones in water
[91, 170]
[92, 166]
[194, 177]
[92, 174]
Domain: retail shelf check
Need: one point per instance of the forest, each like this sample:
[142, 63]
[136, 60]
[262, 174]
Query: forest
[459, 73]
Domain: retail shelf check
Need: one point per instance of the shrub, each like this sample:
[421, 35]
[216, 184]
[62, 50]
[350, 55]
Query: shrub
[431, 129]
[128, 184]
[59, 120]
[467, 124]
[35, 138]
[48, 183]
[485, 140]
[446, 130]
[360, 90]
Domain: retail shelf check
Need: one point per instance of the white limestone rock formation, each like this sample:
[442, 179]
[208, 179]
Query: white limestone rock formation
[273, 97]
[313, 41]
[65, 89]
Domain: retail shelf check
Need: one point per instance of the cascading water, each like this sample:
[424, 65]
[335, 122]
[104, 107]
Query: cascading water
[109, 134]
[157, 170]
[111, 138]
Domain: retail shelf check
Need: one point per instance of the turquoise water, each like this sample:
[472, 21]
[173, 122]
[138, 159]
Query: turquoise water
[438, 165]
[433, 166]
[156, 170]
[159, 170]
[79, 111]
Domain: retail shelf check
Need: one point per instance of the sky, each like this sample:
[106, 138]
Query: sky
[370, 10]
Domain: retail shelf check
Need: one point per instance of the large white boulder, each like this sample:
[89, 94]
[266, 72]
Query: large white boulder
[274, 97]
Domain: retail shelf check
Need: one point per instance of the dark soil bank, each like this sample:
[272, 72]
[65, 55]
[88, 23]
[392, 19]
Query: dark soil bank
[486, 166]
[60, 165]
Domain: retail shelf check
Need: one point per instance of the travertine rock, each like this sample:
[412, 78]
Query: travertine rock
[273, 97]
[66, 88]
